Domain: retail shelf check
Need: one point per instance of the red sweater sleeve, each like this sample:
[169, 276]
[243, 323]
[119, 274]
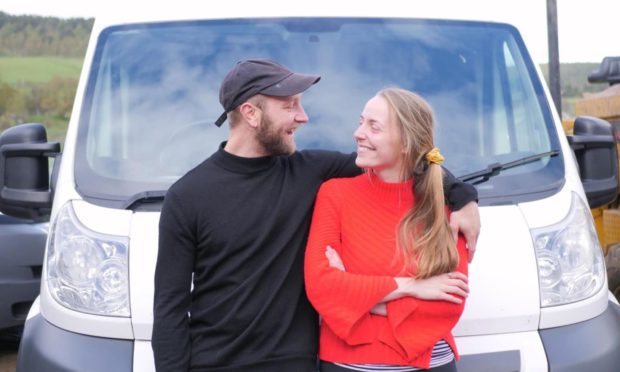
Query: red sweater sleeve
[432, 320]
[342, 299]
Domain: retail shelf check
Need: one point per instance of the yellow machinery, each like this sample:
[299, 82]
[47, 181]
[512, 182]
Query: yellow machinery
[606, 105]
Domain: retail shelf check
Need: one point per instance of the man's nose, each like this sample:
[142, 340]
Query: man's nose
[301, 116]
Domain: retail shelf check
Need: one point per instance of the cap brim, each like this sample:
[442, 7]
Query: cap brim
[291, 85]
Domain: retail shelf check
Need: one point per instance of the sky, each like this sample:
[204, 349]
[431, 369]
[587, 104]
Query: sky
[587, 30]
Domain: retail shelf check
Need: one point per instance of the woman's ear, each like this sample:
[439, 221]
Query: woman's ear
[404, 150]
[250, 113]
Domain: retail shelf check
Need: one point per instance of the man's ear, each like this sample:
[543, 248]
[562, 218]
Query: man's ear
[250, 113]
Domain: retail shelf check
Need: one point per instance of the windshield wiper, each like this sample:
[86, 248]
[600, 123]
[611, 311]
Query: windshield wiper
[143, 198]
[494, 169]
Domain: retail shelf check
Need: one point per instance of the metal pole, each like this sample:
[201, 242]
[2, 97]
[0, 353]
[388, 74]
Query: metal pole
[554, 54]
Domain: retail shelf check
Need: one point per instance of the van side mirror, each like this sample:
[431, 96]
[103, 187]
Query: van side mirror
[24, 171]
[597, 156]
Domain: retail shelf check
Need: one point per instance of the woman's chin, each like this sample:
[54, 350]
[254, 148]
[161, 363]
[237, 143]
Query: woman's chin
[360, 164]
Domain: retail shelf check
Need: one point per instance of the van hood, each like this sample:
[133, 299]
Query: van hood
[142, 261]
[503, 277]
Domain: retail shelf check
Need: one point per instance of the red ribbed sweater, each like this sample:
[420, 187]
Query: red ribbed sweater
[359, 217]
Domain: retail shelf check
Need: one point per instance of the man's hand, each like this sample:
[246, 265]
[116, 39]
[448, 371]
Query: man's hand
[467, 221]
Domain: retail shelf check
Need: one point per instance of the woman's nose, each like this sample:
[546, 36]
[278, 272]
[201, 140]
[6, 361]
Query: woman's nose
[359, 133]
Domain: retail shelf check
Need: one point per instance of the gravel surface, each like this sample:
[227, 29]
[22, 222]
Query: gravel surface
[9, 343]
[7, 360]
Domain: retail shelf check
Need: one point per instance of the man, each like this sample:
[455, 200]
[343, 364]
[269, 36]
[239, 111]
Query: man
[236, 227]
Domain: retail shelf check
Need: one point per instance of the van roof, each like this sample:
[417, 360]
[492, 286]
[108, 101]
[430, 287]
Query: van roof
[136, 12]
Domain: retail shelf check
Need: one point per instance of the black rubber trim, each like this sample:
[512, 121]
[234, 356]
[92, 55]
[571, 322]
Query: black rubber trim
[47, 348]
[593, 345]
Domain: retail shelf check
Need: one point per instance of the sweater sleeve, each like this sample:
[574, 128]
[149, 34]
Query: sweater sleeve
[173, 274]
[431, 320]
[332, 164]
[457, 192]
[342, 299]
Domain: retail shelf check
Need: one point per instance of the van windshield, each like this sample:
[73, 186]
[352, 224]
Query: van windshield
[152, 97]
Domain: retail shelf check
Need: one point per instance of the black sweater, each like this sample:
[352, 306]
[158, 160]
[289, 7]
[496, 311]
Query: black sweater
[241, 225]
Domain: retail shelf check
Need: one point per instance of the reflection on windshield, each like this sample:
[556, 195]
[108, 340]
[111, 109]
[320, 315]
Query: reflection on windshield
[153, 93]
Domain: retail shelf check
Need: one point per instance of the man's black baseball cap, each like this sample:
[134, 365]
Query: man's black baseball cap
[253, 76]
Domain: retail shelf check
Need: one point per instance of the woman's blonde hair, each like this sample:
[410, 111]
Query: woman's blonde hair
[424, 234]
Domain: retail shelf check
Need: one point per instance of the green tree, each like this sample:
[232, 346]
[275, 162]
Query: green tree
[12, 106]
[57, 96]
[43, 36]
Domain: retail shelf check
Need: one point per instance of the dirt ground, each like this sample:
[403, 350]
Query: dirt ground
[8, 351]
[7, 360]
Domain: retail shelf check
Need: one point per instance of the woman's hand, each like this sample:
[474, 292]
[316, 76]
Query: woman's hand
[379, 309]
[334, 258]
[444, 287]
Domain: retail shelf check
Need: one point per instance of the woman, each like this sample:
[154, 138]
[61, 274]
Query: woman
[382, 267]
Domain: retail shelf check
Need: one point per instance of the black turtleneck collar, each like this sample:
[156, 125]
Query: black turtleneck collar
[239, 164]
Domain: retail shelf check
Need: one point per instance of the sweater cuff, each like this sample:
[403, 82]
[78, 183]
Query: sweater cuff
[402, 314]
[461, 193]
[350, 319]
[457, 193]
[397, 313]
[430, 321]
[399, 310]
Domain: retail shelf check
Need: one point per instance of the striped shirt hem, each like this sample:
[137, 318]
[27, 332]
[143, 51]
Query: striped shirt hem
[442, 354]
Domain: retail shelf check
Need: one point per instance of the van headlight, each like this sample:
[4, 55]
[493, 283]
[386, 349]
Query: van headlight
[569, 256]
[87, 271]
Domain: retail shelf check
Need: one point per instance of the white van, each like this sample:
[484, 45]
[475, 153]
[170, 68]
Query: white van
[143, 116]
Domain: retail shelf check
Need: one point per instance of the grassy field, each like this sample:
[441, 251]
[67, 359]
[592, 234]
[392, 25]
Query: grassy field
[56, 127]
[38, 69]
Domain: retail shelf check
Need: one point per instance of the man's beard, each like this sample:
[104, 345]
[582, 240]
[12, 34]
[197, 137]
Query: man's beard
[272, 140]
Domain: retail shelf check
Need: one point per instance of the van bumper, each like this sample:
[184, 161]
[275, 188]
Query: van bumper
[47, 348]
[21, 258]
[592, 345]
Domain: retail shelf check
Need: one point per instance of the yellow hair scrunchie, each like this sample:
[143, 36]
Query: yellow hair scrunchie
[434, 156]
